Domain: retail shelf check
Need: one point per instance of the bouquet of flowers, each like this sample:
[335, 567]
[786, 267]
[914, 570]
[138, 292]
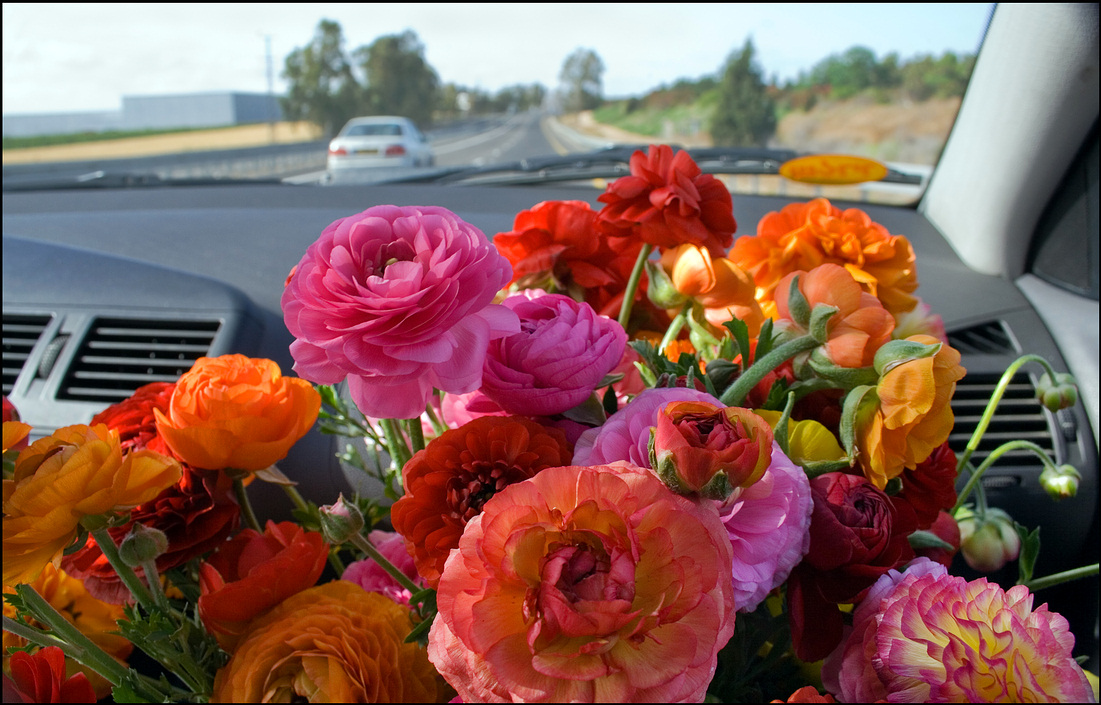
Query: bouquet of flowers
[624, 457]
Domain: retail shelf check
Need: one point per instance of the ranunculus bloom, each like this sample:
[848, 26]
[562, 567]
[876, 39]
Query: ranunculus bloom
[334, 643]
[807, 694]
[557, 246]
[946, 529]
[720, 286]
[859, 328]
[805, 235]
[448, 482]
[585, 584]
[372, 577]
[913, 415]
[930, 487]
[95, 619]
[696, 442]
[40, 678]
[667, 201]
[15, 431]
[556, 360]
[196, 514]
[856, 534]
[626, 434]
[398, 301]
[253, 572]
[932, 637]
[76, 472]
[237, 412]
[768, 524]
[919, 321]
[808, 440]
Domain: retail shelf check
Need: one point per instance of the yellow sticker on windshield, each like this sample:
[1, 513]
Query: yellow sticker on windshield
[833, 169]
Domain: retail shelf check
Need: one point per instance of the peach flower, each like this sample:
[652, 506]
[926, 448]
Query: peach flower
[723, 288]
[805, 235]
[237, 412]
[585, 584]
[333, 643]
[909, 415]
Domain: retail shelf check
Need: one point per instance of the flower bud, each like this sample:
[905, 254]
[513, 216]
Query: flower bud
[142, 544]
[987, 542]
[1058, 393]
[661, 290]
[340, 521]
[1060, 482]
[697, 447]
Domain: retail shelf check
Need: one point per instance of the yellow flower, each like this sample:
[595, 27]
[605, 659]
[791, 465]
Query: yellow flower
[808, 440]
[78, 471]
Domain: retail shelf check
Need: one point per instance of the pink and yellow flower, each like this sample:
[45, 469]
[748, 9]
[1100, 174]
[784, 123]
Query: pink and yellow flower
[585, 584]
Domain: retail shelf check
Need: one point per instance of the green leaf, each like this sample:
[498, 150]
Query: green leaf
[854, 400]
[610, 402]
[589, 412]
[1030, 551]
[798, 306]
[765, 340]
[740, 332]
[927, 539]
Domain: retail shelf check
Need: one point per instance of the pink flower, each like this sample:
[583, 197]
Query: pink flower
[933, 637]
[769, 528]
[563, 350]
[373, 578]
[585, 584]
[398, 301]
[626, 433]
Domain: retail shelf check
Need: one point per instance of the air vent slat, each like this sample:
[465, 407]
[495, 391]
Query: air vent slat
[118, 355]
[990, 338]
[21, 333]
[1019, 417]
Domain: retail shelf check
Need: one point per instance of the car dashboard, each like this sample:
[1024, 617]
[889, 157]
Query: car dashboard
[109, 289]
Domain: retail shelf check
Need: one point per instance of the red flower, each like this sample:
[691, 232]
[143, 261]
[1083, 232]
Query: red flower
[857, 533]
[931, 486]
[447, 483]
[667, 201]
[254, 572]
[946, 529]
[40, 678]
[196, 514]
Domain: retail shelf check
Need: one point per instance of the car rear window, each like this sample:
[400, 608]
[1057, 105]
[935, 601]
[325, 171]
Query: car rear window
[374, 131]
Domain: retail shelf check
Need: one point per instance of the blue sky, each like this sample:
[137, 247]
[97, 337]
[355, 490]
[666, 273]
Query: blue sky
[74, 57]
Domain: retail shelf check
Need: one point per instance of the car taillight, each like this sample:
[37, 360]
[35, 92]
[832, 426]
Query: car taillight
[338, 152]
[395, 150]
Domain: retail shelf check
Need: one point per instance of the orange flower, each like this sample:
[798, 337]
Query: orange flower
[237, 412]
[332, 643]
[861, 324]
[723, 288]
[95, 619]
[78, 471]
[447, 483]
[805, 235]
[909, 414]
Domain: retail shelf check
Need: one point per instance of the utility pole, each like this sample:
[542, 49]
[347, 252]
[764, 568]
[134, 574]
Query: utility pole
[271, 90]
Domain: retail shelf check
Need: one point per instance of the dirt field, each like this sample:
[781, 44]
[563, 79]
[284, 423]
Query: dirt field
[199, 141]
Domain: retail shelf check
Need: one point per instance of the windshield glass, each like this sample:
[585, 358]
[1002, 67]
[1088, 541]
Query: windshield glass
[149, 89]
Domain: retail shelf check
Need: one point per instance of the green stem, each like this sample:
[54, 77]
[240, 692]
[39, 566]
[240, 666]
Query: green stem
[395, 443]
[126, 574]
[1063, 577]
[335, 562]
[246, 506]
[416, 434]
[736, 393]
[674, 328]
[438, 426]
[296, 497]
[632, 285]
[76, 645]
[152, 578]
[992, 405]
[364, 544]
[994, 455]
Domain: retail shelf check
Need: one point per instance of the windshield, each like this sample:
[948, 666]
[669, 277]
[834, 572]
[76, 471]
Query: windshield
[150, 89]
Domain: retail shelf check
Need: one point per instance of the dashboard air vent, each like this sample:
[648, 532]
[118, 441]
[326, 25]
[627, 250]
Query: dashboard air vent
[21, 332]
[118, 355]
[985, 339]
[1019, 416]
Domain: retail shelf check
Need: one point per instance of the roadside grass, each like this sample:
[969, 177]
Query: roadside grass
[666, 122]
[80, 137]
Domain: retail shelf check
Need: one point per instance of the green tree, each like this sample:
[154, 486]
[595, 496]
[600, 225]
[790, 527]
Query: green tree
[582, 78]
[745, 115]
[399, 80]
[322, 88]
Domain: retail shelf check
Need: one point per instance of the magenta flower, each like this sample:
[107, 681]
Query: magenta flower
[562, 352]
[626, 433]
[769, 528]
[370, 576]
[927, 636]
[398, 301]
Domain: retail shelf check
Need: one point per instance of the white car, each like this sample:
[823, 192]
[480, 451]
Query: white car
[379, 141]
